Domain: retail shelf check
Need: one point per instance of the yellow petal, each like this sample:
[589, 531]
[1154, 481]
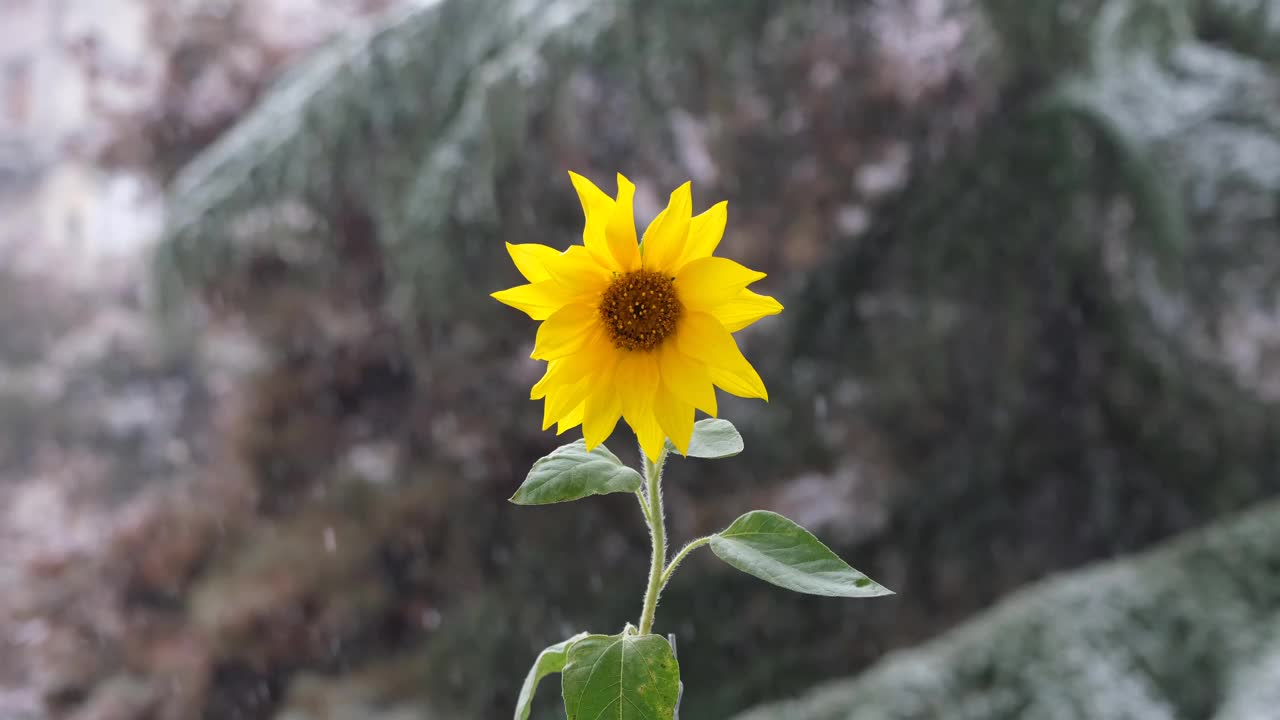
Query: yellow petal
[705, 232]
[603, 408]
[676, 418]
[573, 419]
[596, 353]
[562, 400]
[744, 309]
[600, 417]
[537, 300]
[702, 337]
[621, 229]
[579, 272]
[531, 260]
[664, 241]
[649, 433]
[637, 381]
[548, 381]
[708, 282]
[598, 208]
[687, 378]
[567, 331]
[736, 383]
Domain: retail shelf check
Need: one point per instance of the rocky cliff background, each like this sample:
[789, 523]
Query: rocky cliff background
[1028, 253]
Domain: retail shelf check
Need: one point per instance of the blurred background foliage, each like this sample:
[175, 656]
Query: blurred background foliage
[1028, 250]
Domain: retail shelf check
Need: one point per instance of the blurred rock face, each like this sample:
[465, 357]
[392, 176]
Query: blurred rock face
[110, 428]
[1169, 633]
[985, 372]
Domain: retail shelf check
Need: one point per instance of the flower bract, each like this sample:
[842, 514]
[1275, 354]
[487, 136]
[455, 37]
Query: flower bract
[638, 330]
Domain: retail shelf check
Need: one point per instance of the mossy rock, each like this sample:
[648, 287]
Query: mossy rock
[1186, 630]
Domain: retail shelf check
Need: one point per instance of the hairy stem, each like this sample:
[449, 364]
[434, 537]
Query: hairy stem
[675, 561]
[643, 497]
[658, 532]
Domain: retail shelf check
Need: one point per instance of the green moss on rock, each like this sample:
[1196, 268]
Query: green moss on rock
[1186, 630]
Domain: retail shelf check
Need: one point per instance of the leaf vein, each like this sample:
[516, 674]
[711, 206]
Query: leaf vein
[595, 666]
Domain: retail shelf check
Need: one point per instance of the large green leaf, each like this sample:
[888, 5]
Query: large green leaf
[777, 550]
[712, 438]
[572, 473]
[621, 677]
[549, 661]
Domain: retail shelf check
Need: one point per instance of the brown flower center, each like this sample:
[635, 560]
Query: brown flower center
[640, 309]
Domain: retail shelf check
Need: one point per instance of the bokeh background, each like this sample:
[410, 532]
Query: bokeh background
[260, 417]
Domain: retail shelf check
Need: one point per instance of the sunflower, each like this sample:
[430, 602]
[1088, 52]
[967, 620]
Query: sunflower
[641, 331]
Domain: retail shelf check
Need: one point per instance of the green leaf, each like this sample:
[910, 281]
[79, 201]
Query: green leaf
[621, 677]
[777, 550]
[572, 473]
[549, 661]
[712, 438]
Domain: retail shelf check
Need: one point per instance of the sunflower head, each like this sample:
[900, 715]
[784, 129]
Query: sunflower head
[640, 309]
[640, 331]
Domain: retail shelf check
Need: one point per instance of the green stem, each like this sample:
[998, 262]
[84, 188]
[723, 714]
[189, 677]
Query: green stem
[658, 531]
[644, 506]
[675, 561]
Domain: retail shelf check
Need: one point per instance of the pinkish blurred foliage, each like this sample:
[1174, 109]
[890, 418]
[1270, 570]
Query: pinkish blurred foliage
[206, 64]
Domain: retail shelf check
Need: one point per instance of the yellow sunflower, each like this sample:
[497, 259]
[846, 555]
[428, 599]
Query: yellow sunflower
[642, 330]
